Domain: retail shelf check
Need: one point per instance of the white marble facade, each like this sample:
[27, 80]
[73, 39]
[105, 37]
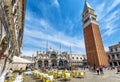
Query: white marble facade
[53, 58]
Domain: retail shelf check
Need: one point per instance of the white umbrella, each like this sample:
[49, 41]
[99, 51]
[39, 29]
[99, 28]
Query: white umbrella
[21, 60]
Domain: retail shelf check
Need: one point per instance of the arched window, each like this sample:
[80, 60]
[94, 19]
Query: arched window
[61, 63]
[76, 57]
[72, 57]
[113, 56]
[80, 57]
[53, 56]
[118, 56]
[108, 57]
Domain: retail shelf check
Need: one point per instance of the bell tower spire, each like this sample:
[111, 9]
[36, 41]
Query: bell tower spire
[86, 6]
[88, 15]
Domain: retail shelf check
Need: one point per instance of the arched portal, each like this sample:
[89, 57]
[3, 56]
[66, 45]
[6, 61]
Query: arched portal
[61, 63]
[54, 62]
[46, 63]
[39, 63]
[65, 63]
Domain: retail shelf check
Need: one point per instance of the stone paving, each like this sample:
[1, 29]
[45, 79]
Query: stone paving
[108, 76]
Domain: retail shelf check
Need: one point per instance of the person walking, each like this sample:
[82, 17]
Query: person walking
[94, 68]
[97, 69]
[101, 70]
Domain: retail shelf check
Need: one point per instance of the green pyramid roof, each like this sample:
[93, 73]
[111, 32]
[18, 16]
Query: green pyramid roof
[86, 6]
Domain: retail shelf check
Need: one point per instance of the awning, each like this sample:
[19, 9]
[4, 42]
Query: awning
[21, 60]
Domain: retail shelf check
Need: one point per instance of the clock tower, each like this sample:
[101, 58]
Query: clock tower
[96, 55]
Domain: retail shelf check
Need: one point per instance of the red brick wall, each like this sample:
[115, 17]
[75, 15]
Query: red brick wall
[94, 46]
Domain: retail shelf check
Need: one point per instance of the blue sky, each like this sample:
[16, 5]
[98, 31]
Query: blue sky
[59, 22]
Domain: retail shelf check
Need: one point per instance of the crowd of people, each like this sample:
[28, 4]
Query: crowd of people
[99, 70]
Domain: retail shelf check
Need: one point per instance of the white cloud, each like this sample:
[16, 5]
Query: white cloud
[99, 10]
[59, 37]
[28, 53]
[105, 8]
[43, 30]
[111, 23]
[106, 49]
[56, 3]
[37, 34]
[106, 18]
[112, 16]
[113, 5]
[43, 23]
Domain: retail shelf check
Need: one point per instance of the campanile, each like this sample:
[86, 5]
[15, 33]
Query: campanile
[93, 42]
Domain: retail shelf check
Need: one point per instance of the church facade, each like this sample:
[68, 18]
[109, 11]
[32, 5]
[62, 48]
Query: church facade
[54, 59]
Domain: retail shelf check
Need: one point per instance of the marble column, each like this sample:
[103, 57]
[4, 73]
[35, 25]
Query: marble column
[57, 62]
[42, 63]
[117, 63]
[49, 62]
[112, 64]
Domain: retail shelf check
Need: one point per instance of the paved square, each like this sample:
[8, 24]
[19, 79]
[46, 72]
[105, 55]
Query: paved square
[108, 76]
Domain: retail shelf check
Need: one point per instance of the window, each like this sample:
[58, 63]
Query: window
[76, 57]
[108, 57]
[86, 12]
[72, 57]
[115, 63]
[115, 49]
[118, 56]
[80, 57]
[86, 20]
[110, 63]
[119, 63]
[93, 18]
[111, 50]
[113, 57]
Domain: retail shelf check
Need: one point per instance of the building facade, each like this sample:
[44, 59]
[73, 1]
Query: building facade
[96, 55]
[54, 59]
[78, 60]
[114, 55]
[12, 14]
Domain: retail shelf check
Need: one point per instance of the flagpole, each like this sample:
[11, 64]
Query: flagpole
[70, 56]
[46, 47]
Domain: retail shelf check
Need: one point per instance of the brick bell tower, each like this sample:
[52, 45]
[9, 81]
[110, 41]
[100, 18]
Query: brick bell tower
[96, 55]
